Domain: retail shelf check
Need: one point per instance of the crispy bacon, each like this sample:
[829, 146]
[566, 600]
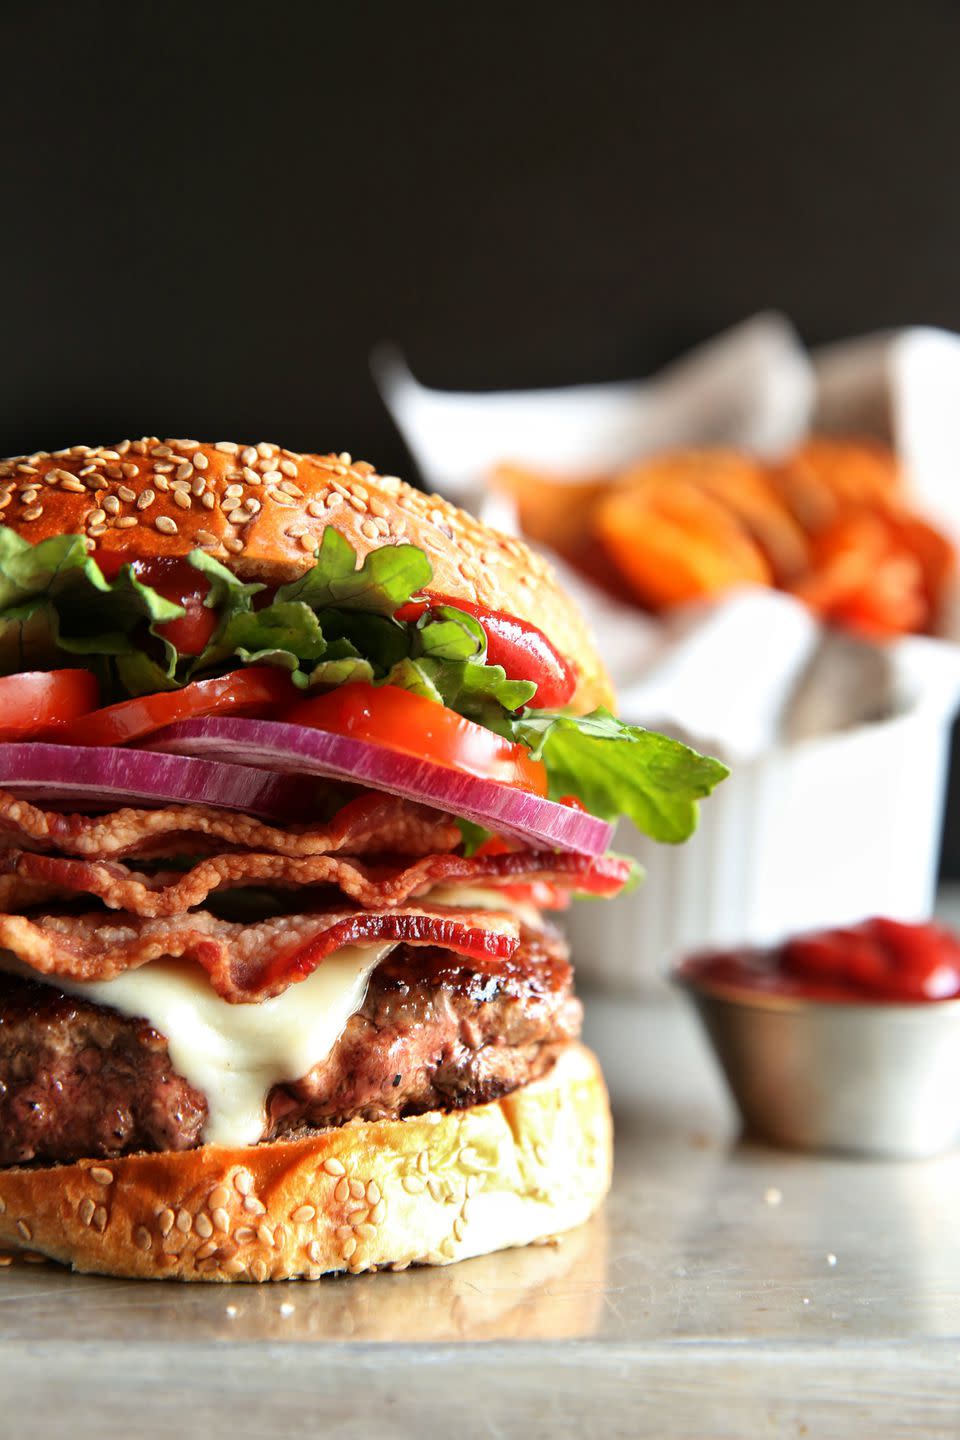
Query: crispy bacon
[371, 824]
[26, 877]
[246, 963]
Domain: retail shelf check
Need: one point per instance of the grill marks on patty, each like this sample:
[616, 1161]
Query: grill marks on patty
[434, 1031]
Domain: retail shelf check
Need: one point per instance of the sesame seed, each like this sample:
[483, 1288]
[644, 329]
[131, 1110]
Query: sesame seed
[28, 494]
[126, 494]
[357, 1189]
[433, 1185]
[423, 1163]
[203, 1226]
[161, 482]
[288, 487]
[250, 476]
[145, 499]
[345, 457]
[273, 477]
[234, 1268]
[166, 1219]
[75, 486]
[100, 1175]
[265, 451]
[5, 501]
[226, 447]
[233, 492]
[34, 512]
[308, 543]
[413, 1184]
[184, 1221]
[28, 469]
[342, 1193]
[142, 1237]
[333, 501]
[207, 1250]
[96, 517]
[233, 545]
[200, 460]
[182, 499]
[315, 508]
[198, 486]
[205, 539]
[218, 1197]
[177, 485]
[185, 470]
[243, 1181]
[100, 1218]
[369, 528]
[111, 504]
[458, 1228]
[378, 1212]
[244, 1235]
[208, 500]
[349, 1249]
[248, 455]
[358, 505]
[333, 1166]
[366, 1231]
[377, 508]
[253, 1206]
[110, 454]
[259, 1270]
[161, 450]
[23, 1229]
[303, 1214]
[221, 1219]
[166, 525]
[123, 447]
[373, 1192]
[265, 1234]
[129, 470]
[288, 467]
[167, 468]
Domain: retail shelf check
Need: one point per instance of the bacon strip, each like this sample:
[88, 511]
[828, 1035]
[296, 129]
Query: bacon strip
[246, 963]
[373, 823]
[27, 876]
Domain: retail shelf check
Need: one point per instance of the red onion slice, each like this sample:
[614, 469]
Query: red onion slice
[299, 750]
[106, 778]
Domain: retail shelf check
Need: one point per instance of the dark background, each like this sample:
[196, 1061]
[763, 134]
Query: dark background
[212, 211]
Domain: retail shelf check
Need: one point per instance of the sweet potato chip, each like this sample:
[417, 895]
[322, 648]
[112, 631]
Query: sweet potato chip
[673, 543]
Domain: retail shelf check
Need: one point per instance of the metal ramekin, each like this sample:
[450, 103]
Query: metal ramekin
[869, 1079]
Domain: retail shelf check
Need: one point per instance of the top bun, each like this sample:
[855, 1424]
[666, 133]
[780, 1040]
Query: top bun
[262, 510]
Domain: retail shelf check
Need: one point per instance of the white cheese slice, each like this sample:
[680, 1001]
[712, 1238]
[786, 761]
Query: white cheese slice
[478, 897]
[235, 1054]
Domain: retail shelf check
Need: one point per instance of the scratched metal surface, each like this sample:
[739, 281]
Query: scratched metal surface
[727, 1290]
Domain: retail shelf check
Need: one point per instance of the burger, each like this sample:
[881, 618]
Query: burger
[295, 761]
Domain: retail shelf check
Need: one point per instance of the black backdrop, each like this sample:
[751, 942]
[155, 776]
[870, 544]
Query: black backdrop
[211, 211]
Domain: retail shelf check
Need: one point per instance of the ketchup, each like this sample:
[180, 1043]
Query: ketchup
[880, 960]
[524, 651]
[175, 579]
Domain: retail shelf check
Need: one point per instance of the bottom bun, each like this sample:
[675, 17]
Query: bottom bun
[427, 1190]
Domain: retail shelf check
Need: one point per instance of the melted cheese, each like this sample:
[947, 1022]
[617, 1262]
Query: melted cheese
[235, 1054]
[476, 897]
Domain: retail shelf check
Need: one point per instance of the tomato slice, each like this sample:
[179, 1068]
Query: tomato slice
[524, 651]
[40, 703]
[249, 691]
[413, 725]
[175, 579]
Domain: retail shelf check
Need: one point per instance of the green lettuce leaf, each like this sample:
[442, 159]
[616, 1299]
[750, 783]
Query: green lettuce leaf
[617, 769]
[385, 581]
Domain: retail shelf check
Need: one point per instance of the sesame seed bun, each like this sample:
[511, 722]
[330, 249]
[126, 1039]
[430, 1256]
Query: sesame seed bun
[428, 1190]
[262, 511]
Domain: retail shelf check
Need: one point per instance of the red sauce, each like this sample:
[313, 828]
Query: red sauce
[879, 960]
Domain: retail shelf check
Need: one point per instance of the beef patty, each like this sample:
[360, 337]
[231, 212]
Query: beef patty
[435, 1031]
